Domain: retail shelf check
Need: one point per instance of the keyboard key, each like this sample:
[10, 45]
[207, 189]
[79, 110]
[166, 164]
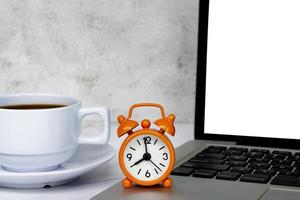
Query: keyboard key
[190, 165]
[265, 171]
[214, 167]
[207, 160]
[237, 158]
[182, 171]
[285, 162]
[281, 162]
[242, 170]
[286, 173]
[292, 158]
[228, 175]
[282, 168]
[297, 164]
[218, 147]
[264, 151]
[234, 163]
[296, 173]
[238, 149]
[297, 154]
[255, 154]
[204, 173]
[278, 157]
[255, 178]
[252, 160]
[210, 155]
[215, 151]
[297, 161]
[217, 167]
[286, 180]
[259, 165]
[233, 152]
[269, 156]
[286, 153]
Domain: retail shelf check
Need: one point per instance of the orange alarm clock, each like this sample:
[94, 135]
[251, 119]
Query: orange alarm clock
[146, 156]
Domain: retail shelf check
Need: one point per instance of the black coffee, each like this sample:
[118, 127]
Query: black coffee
[32, 106]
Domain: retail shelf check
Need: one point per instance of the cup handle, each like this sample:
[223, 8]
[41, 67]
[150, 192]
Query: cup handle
[105, 114]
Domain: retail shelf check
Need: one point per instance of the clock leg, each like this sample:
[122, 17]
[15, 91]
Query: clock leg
[127, 183]
[167, 183]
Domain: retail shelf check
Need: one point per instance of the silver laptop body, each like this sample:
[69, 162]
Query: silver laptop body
[247, 96]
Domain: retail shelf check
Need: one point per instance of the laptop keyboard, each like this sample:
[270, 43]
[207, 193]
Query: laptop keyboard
[243, 164]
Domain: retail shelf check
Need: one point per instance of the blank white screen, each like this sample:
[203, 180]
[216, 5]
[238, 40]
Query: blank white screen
[253, 68]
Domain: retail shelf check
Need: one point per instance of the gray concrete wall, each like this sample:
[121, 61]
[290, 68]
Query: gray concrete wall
[105, 52]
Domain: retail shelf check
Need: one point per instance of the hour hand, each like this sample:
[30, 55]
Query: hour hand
[137, 162]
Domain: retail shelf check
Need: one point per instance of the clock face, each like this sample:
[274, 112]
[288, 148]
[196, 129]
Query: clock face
[146, 157]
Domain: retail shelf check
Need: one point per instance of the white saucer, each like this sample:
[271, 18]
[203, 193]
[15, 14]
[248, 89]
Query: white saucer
[86, 158]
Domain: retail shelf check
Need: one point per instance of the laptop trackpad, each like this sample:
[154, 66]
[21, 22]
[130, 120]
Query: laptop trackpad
[280, 194]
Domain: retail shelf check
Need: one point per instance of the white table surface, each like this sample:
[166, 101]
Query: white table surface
[87, 186]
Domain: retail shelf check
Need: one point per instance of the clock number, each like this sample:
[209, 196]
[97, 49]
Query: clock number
[147, 174]
[148, 139]
[165, 156]
[129, 156]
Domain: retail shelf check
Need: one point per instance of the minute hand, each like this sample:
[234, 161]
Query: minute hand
[145, 142]
[155, 165]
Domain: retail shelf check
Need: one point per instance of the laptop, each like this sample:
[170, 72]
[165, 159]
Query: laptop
[247, 122]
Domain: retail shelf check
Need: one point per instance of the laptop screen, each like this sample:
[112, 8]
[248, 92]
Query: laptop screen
[253, 68]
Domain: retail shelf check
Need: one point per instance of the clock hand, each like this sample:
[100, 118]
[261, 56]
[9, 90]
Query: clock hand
[155, 165]
[145, 142]
[137, 162]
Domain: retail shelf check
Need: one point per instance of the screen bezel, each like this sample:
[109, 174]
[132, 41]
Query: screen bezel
[200, 96]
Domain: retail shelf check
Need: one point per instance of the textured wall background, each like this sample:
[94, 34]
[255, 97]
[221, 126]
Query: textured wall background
[105, 52]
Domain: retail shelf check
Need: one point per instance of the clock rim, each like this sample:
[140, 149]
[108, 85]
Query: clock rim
[165, 140]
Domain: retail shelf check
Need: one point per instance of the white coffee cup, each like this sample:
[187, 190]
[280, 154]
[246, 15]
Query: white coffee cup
[42, 139]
